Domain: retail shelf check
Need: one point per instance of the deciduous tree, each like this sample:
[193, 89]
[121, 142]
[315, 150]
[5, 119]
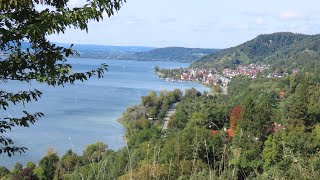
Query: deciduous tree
[23, 24]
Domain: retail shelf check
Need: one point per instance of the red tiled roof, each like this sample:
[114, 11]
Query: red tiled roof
[277, 127]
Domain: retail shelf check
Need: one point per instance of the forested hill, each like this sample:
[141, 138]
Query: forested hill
[284, 49]
[179, 54]
[139, 53]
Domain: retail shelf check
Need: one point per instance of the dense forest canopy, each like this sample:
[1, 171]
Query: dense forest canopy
[275, 135]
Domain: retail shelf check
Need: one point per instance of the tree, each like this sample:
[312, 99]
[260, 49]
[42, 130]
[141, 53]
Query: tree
[69, 161]
[314, 105]
[17, 168]
[32, 58]
[150, 100]
[273, 150]
[247, 138]
[31, 165]
[25, 174]
[192, 93]
[298, 107]
[156, 68]
[216, 89]
[4, 171]
[94, 152]
[47, 166]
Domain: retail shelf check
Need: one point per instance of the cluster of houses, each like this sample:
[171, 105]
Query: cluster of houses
[281, 74]
[206, 76]
[251, 70]
[220, 77]
[212, 77]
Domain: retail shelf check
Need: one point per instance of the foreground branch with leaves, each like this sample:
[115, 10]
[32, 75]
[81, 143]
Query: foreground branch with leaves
[21, 23]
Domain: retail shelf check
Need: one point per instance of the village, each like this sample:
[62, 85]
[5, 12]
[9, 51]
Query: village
[213, 76]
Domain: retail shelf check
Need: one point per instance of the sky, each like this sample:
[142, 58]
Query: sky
[196, 23]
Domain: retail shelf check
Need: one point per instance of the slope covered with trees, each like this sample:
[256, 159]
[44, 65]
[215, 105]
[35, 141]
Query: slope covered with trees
[195, 146]
[179, 54]
[278, 49]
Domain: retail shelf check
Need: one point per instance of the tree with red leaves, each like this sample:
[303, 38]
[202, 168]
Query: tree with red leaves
[235, 116]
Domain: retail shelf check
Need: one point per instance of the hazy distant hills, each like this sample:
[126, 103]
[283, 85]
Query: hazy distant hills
[102, 48]
[141, 53]
[99, 51]
[283, 50]
[287, 50]
[179, 54]
[138, 53]
[107, 52]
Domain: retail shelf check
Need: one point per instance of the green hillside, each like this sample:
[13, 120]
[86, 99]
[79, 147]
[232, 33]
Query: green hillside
[303, 55]
[263, 129]
[286, 50]
[179, 54]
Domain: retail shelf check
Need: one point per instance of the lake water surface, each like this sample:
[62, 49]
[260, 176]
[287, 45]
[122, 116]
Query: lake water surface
[84, 113]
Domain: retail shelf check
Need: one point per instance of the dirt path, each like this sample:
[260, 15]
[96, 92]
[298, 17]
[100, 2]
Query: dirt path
[170, 112]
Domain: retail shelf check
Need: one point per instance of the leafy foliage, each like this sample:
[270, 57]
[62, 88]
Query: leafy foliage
[47, 166]
[189, 149]
[195, 146]
[41, 61]
[4, 171]
[26, 173]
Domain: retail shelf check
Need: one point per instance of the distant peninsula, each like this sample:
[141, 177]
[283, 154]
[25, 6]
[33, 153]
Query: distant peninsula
[176, 54]
[137, 53]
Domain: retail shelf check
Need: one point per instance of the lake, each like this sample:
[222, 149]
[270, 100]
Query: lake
[84, 113]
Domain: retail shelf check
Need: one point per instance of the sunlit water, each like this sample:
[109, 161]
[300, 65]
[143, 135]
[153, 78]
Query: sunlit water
[84, 113]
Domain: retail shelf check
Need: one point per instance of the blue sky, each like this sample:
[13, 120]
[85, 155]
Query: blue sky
[197, 23]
